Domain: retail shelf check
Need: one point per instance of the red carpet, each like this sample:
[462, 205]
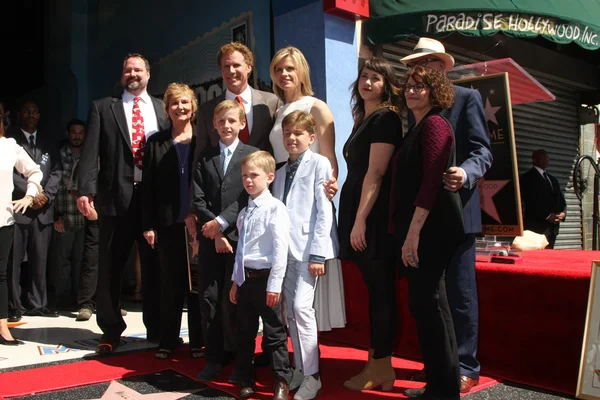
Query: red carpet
[337, 364]
[532, 317]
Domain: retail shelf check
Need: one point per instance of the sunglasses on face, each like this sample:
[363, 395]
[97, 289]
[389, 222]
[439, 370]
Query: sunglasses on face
[423, 62]
[417, 88]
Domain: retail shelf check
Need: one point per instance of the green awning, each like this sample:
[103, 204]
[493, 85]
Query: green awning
[561, 21]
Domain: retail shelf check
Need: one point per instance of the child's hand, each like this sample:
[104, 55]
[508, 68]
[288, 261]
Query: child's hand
[233, 293]
[331, 188]
[272, 299]
[222, 244]
[211, 228]
[316, 269]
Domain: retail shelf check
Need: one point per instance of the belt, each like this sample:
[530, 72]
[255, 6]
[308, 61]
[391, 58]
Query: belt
[256, 273]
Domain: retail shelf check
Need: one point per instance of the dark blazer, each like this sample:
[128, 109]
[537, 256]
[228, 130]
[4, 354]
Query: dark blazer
[107, 137]
[473, 151]
[216, 193]
[47, 156]
[264, 106]
[161, 192]
[539, 201]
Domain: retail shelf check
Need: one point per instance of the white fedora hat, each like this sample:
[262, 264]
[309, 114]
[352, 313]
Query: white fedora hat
[427, 47]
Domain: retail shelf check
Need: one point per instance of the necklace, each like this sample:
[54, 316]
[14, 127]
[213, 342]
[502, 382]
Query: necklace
[180, 157]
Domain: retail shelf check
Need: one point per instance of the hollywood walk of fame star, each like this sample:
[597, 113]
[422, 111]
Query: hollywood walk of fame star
[492, 91]
[490, 112]
[487, 190]
[117, 391]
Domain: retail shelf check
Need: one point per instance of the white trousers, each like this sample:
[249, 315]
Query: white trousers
[299, 293]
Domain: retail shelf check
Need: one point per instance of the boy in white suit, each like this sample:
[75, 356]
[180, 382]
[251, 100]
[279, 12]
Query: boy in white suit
[299, 184]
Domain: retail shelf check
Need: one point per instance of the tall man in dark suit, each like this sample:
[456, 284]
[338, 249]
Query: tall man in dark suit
[118, 128]
[236, 61]
[543, 201]
[33, 229]
[474, 158]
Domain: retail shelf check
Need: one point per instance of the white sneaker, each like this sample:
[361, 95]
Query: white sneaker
[309, 389]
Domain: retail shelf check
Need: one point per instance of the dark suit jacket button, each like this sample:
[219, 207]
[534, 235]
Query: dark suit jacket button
[223, 190]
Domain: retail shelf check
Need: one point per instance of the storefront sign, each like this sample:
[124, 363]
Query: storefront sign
[348, 9]
[499, 188]
[486, 23]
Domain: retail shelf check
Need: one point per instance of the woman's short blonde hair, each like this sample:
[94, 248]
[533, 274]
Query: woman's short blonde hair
[261, 159]
[302, 69]
[176, 91]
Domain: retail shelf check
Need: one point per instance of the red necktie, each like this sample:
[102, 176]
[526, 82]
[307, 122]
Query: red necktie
[138, 141]
[244, 133]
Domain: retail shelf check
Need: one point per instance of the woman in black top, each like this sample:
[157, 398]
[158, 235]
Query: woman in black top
[427, 221]
[364, 205]
[167, 177]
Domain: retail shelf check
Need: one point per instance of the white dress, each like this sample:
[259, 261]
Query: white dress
[329, 294]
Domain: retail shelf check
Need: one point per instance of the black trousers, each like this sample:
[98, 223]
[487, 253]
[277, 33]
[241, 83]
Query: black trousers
[67, 248]
[251, 304]
[31, 242]
[380, 279]
[88, 278]
[117, 236]
[428, 304]
[218, 313]
[6, 239]
[174, 287]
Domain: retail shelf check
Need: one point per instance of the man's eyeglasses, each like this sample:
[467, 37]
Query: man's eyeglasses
[418, 88]
[423, 62]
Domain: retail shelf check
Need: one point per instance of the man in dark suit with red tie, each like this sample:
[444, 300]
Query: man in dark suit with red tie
[543, 201]
[118, 128]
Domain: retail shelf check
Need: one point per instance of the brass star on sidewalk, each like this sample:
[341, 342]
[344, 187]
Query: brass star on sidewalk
[117, 391]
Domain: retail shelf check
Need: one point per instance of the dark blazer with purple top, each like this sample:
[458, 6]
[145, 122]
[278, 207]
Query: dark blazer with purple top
[161, 191]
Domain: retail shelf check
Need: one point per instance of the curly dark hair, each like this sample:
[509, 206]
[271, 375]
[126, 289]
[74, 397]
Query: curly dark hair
[391, 97]
[441, 93]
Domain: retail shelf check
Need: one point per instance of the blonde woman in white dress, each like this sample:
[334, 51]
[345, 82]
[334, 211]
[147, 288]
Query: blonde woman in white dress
[291, 83]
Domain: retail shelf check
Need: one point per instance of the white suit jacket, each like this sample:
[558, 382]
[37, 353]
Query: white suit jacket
[313, 229]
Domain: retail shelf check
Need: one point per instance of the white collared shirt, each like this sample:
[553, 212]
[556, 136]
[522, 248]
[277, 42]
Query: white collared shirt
[27, 134]
[150, 120]
[267, 237]
[230, 150]
[247, 100]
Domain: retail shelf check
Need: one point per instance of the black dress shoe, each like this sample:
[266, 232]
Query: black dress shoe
[14, 316]
[247, 389]
[414, 392]
[281, 391]
[42, 312]
[106, 348]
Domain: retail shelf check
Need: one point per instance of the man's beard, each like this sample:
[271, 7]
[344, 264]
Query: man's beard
[135, 85]
[77, 144]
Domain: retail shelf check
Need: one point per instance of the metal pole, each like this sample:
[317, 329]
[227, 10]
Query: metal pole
[595, 216]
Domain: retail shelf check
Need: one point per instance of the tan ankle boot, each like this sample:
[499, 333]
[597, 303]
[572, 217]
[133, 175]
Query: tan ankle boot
[378, 372]
[357, 379]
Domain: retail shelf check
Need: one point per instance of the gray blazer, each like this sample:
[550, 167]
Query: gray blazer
[264, 106]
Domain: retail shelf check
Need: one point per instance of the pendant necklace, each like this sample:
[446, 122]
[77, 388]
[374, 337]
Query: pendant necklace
[187, 152]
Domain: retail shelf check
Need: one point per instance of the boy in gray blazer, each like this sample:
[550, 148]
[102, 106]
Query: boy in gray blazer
[218, 195]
